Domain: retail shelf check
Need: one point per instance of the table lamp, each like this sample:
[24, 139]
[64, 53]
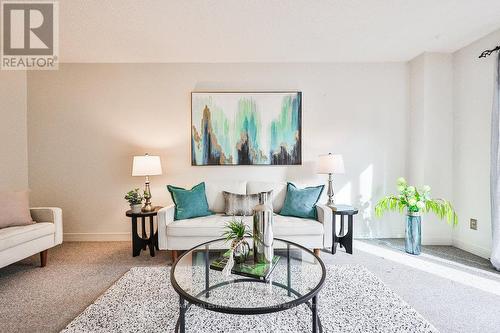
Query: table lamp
[146, 166]
[330, 164]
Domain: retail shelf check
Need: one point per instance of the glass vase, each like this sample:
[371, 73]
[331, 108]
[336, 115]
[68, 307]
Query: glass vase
[413, 233]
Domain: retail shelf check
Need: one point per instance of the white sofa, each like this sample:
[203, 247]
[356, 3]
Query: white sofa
[20, 242]
[185, 234]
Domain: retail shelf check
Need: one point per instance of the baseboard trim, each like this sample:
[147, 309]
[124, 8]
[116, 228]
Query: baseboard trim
[96, 237]
[474, 249]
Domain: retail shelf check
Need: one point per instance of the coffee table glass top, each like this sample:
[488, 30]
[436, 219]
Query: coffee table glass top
[297, 277]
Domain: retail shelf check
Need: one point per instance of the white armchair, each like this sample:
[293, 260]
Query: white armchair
[19, 242]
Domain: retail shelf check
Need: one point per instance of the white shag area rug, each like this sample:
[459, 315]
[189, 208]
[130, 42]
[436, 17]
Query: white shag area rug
[352, 300]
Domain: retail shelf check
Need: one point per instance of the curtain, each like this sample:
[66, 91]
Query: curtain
[495, 170]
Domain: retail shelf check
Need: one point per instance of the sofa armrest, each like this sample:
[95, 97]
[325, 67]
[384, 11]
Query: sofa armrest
[165, 217]
[52, 215]
[325, 217]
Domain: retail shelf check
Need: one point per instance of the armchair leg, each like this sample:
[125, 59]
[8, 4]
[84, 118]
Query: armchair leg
[43, 258]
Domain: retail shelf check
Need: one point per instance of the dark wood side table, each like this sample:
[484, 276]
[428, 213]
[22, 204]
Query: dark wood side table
[140, 243]
[344, 238]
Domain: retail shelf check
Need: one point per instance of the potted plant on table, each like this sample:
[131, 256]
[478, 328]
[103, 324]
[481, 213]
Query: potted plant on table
[235, 232]
[415, 202]
[135, 199]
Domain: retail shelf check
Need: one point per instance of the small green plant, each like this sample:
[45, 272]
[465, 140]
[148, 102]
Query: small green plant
[415, 200]
[235, 230]
[134, 197]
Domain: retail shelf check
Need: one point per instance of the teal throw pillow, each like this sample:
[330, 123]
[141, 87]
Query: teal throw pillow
[189, 203]
[301, 202]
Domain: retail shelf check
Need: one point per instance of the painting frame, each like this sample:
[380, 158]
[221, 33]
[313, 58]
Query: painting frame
[283, 158]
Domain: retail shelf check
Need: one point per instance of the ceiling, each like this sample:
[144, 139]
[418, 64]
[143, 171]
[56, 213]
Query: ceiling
[269, 30]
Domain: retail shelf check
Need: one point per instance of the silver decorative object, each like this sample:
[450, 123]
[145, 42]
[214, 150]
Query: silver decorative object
[241, 249]
[263, 231]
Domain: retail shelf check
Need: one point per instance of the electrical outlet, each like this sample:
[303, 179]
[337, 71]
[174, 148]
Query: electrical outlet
[473, 224]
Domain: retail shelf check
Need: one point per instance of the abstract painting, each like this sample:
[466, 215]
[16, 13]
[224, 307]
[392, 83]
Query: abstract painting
[246, 128]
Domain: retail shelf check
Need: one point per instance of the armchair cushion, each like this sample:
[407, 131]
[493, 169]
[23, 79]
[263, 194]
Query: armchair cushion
[13, 236]
[15, 209]
[189, 203]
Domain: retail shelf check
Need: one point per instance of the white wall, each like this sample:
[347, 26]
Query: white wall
[449, 140]
[430, 135]
[86, 121]
[472, 104]
[13, 131]
[416, 150]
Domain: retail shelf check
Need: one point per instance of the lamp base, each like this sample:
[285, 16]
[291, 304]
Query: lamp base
[148, 207]
[332, 207]
[331, 199]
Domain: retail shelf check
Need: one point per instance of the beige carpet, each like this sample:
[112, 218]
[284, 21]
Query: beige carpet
[35, 299]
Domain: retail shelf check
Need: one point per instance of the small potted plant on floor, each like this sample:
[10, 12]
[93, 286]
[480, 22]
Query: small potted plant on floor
[235, 232]
[134, 198]
[415, 202]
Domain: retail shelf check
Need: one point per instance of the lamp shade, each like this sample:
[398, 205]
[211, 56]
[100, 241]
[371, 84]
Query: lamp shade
[146, 166]
[331, 163]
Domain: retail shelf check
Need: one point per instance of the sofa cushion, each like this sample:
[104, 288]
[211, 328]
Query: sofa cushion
[189, 203]
[301, 202]
[15, 209]
[278, 188]
[241, 204]
[214, 189]
[13, 236]
[213, 226]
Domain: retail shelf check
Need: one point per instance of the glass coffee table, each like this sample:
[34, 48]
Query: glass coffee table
[297, 279]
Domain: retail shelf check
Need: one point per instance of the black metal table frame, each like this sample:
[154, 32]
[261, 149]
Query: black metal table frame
[184, 297]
